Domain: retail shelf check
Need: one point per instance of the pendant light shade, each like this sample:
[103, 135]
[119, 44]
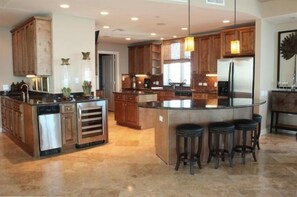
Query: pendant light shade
[189, 43]
[235, 44]
[235, 47]
[189, 40]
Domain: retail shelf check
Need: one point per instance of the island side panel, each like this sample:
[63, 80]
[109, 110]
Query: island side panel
[165, 134]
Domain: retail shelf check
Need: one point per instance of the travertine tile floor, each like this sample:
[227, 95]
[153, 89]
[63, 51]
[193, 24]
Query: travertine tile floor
[127, 166]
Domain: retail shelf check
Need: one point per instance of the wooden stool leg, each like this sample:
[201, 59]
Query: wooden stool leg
[217, 150]
[258, 136]
[185, 150]
[177, 153]
[199, 151]
[192, 155]
[209, 146]
[230, 151]
[243, 151]
[254, 148]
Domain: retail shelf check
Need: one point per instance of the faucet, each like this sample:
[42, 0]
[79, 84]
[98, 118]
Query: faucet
[27, 92]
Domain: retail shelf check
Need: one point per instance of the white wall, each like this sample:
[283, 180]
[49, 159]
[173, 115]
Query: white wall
[71, 36]
[122, 50]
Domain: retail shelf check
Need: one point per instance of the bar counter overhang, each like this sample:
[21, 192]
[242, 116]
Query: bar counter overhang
[168, 114]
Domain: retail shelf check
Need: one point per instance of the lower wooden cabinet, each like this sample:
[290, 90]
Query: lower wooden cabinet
[166, 95]
[127, 111]
[12, 118]
[68, 124]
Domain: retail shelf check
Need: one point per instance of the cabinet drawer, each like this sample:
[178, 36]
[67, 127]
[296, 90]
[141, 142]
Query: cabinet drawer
[67, 108]
[16, 106]
[131, 98]
[120, 97]
[199, 96]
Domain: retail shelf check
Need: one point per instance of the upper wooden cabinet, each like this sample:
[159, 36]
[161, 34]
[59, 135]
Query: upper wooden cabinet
[246, 36]
[32, 47]
[207, 51]
[145, 59]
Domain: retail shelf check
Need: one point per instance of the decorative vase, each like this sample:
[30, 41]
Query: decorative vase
[87, 88]
[66, 92]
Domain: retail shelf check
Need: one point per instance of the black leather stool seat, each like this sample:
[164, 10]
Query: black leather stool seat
[258, 119]
[189, 130]
[245, 125]
[186, 131]
[215, 130]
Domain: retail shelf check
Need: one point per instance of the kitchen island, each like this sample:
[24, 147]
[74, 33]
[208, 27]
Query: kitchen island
[169, 114]
[71, 124]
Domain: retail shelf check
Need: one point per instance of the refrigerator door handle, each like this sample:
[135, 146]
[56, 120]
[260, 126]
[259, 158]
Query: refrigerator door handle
[229, 79]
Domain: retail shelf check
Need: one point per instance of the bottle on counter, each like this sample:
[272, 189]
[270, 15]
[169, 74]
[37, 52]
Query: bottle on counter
[133, 83]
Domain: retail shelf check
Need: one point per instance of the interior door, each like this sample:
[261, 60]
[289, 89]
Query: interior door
[108, 69]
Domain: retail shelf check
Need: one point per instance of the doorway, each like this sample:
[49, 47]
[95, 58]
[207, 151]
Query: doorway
[107, 76]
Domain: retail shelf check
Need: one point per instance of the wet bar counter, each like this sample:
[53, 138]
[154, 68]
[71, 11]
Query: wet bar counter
[169, 114]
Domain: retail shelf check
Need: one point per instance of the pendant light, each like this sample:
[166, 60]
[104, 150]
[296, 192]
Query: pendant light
[235, 44]
[189, 40]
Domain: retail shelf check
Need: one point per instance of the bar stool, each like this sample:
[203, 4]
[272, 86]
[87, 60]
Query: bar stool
[216, 130]
[258, 119]
[186, 131]
[245, 125]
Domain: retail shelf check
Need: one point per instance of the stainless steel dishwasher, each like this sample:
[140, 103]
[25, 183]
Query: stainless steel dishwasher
[49, 127]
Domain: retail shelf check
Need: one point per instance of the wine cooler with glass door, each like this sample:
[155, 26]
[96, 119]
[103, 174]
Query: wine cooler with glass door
[92, 123]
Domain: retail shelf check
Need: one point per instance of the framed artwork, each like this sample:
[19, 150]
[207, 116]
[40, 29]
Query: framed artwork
[287, 52]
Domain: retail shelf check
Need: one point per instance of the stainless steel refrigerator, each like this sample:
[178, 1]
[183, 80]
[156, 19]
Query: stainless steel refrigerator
[236, 77]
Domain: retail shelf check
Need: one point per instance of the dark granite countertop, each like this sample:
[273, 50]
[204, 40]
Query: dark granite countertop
[202, 104]
[46, 101]
[136, 92]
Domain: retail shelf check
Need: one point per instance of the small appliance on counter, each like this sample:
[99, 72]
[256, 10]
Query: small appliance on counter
[147, 83]
[133, 82]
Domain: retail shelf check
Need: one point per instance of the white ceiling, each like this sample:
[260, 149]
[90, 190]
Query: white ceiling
[163, 17]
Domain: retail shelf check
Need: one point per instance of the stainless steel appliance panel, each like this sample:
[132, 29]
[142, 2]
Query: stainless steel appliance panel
[92, 123]
[50, 135]
[239, 75]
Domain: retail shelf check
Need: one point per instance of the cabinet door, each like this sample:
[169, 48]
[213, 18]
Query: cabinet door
[204, 51]
[68, 124]
[132, 60]
[147, 60]
[139, 63]
[227, 37]
[30, 48]
[215, 53]
[131, 113]
[247, 41]
[119, 111]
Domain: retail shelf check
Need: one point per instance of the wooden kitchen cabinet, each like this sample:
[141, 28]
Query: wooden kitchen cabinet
[32, 47]
[127, 111]
[68, 123]
[207, 51]
[12, 118]
[145, 59]
[246, 36]
[166, 95]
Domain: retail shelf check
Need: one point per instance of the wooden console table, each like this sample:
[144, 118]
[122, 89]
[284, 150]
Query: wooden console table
[283, 101]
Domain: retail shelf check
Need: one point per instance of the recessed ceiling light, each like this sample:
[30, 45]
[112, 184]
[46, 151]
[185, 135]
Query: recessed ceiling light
[134, 18]
[153, 34]
[161, 38]
[128, 38]
[184, 28]
[174, 36]
[104, 13]
[105, 27]
[226, 21]
[64, 6]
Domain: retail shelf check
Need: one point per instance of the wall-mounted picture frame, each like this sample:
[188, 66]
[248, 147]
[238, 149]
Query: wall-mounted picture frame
[285, 67]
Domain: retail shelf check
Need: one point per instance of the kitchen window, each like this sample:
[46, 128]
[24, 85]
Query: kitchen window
[177, 63]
